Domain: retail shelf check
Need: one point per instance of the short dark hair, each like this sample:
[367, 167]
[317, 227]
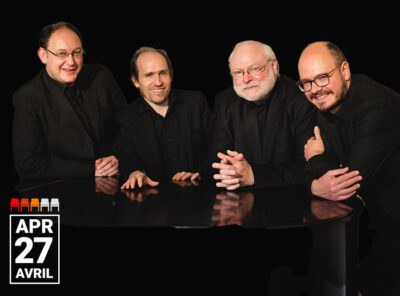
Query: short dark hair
[336, 52]
[133, 64]
[46, 32]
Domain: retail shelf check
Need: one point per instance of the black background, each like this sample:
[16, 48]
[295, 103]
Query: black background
[199, 38]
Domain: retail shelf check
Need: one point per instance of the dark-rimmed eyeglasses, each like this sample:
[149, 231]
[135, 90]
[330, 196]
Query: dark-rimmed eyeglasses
[320, 80]
[62, 55]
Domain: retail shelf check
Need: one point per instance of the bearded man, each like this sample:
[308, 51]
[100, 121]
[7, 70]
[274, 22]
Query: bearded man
[357, 140]
[262, 123]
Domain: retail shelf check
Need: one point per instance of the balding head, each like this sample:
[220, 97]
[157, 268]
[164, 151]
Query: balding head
[324, 59]
[323, 50]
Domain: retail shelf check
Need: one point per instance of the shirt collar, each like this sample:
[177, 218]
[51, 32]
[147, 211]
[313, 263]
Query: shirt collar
[143, 106]
[57, 84]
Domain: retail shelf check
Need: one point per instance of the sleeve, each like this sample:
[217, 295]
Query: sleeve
[115, 92]
[375, 137]
[302, 117]
[31, 159]
[125, 150]
[221, 136]
[207, 124]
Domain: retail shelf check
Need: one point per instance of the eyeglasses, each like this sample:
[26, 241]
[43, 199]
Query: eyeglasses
[237, 74]
[63, 55]
[320, 80]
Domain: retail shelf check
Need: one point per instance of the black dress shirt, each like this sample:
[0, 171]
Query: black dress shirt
[260, 109]
[162, 146]
[168, 138]
[340, 118]
[74, 95]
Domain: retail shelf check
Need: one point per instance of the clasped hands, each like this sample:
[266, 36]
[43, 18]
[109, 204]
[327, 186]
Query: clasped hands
[338, 184]
[234, 171]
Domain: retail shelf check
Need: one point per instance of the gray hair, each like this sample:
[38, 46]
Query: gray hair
[269, 53]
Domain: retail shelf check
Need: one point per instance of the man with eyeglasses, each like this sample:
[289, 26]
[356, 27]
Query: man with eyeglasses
[358, 133]
[65, 117]
[262, 123]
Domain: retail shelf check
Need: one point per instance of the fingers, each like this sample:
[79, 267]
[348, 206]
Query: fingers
[226, 180]
[353, 175]
[317, 133]
[226, 158]
[182, 176]
[140, 178]
[195, 176]
[130, 183]
[236, 155]
[151, 183]
[221, 166]
[337, 172]
[228, 187]
[106, 166]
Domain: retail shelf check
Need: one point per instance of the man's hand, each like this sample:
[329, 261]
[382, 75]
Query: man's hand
[314, 145]
[140, 178]
[106, 166]
[182, 176]
[141, 195]
[234, 171]
[337, 184]
[107, 186]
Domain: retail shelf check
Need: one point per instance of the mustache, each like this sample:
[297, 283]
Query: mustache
[243, 87]
[320, 93]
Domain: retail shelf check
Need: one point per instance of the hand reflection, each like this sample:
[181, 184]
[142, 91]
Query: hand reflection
[106, 185]
[231, 207]
[325, 209]
[186, 183]
[141, 194]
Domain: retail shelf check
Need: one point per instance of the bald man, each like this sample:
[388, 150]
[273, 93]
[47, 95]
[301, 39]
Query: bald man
[262, 123]
[356, 142]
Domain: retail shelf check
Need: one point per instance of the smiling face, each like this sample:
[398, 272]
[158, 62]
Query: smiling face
[66, 70]
[253, 87]
[316, 60]
[154, 79]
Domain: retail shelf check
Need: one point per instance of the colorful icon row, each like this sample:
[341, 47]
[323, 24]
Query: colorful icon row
[33, 205]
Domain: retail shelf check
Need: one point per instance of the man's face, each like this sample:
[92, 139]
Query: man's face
[154, 79]
[253, 87]
[63, 70]
[330, 96]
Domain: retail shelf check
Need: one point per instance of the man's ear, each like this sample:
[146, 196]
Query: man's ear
[345, 69]
[135, 82]
[42, 54]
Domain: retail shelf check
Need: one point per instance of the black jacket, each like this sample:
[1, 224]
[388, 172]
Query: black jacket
[288, 126]
[49, 140]
[373, 131]
[137, 146]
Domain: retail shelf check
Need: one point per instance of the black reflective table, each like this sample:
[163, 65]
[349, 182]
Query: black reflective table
[184, 237]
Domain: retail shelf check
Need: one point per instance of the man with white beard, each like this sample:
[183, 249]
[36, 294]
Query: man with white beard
[262, 123]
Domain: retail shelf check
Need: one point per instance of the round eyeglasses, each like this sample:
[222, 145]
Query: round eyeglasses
[320, 80]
